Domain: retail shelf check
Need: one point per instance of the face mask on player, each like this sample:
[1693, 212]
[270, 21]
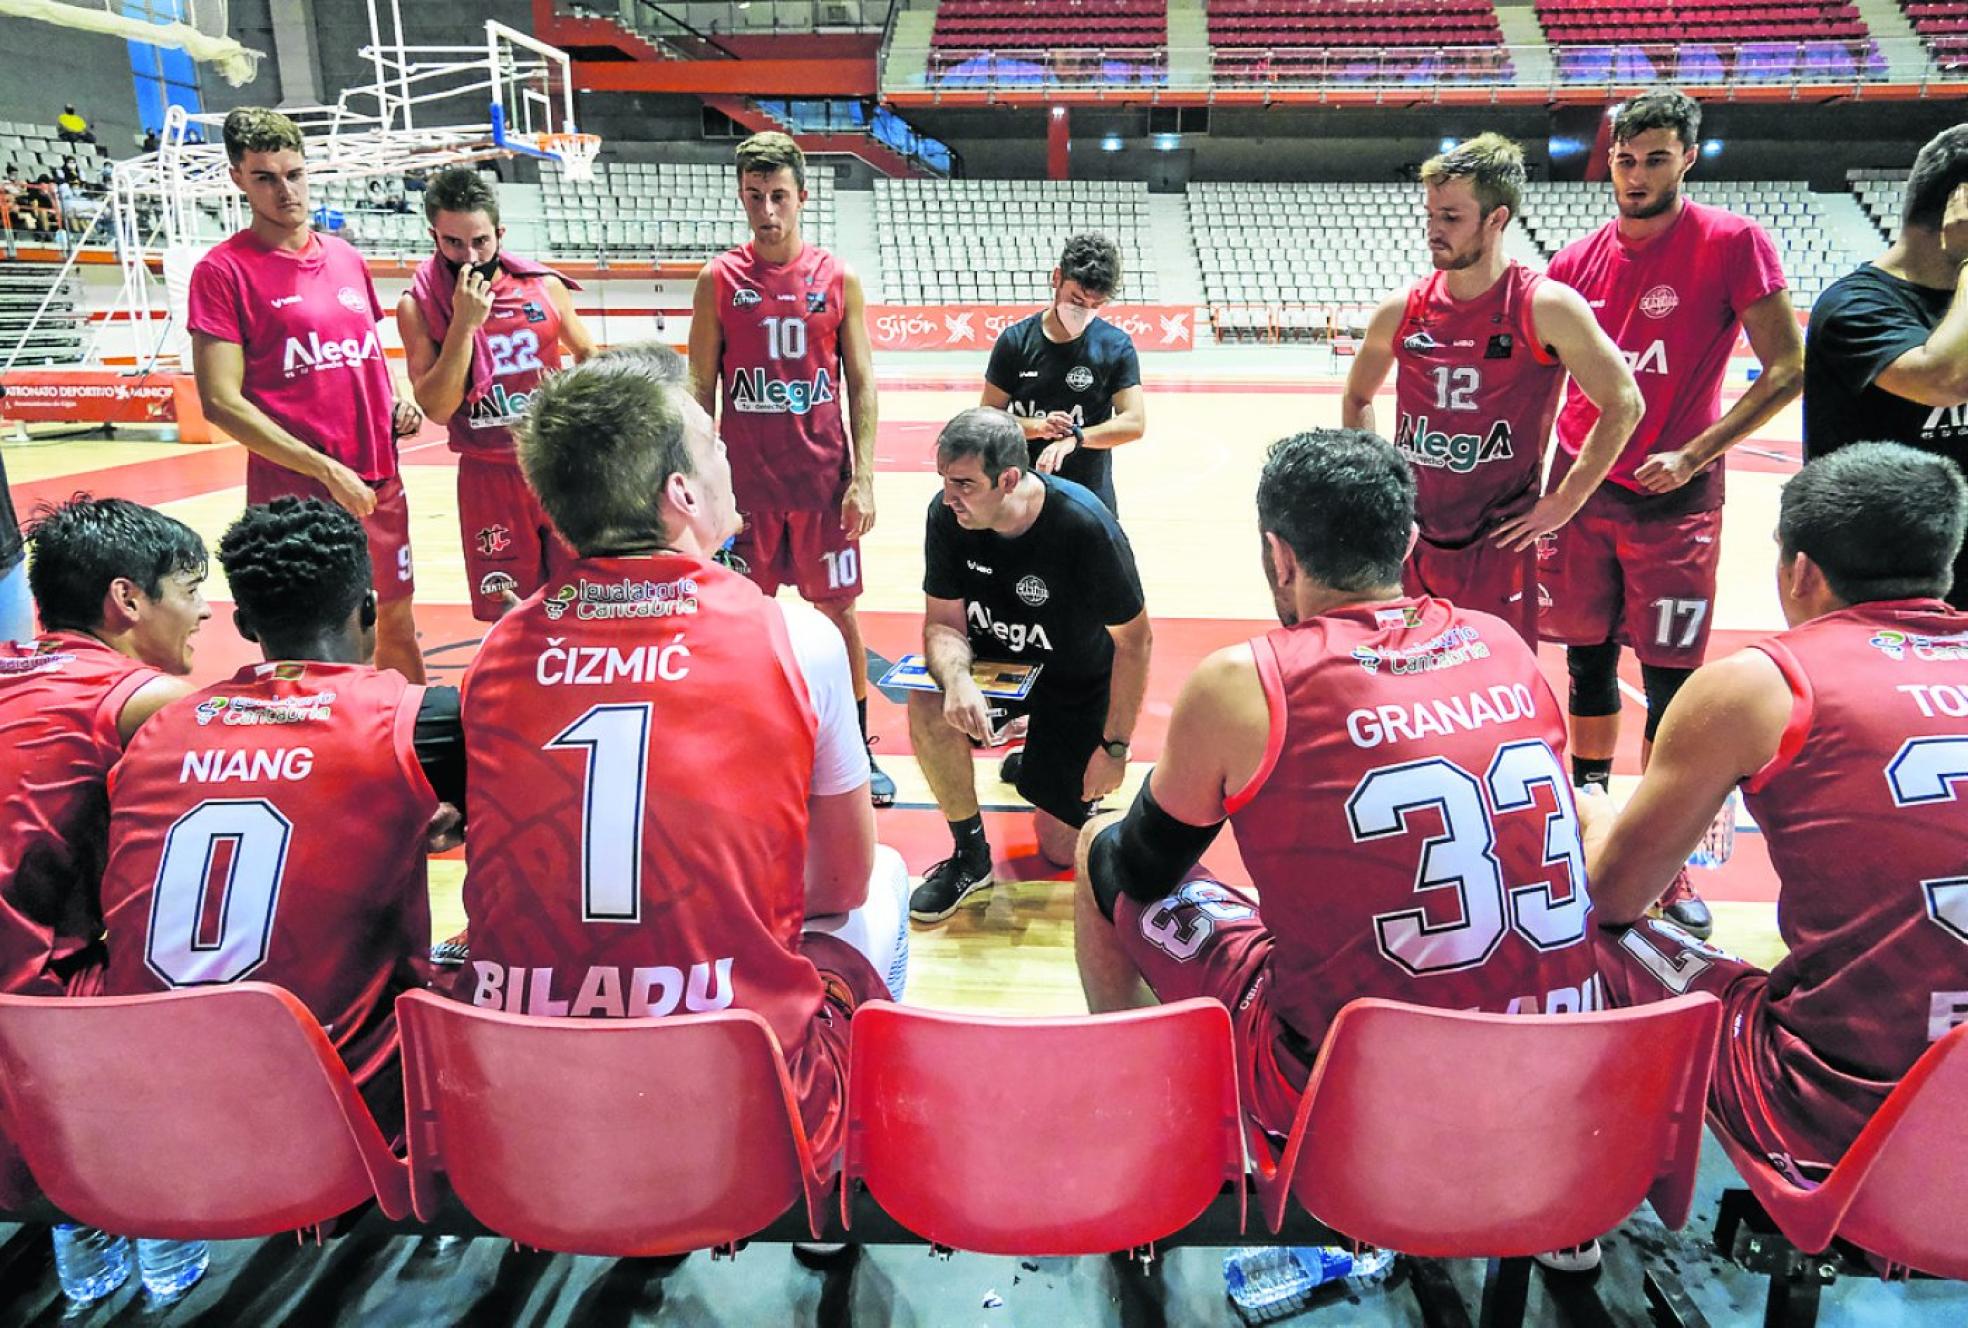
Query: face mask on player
[489, 269]
[1073, 317]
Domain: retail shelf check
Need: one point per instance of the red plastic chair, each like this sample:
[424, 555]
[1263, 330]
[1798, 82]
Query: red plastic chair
[1447, 1134]
[215, 1113]
[1078, 1136]
[619, 1137]
[1901, 1190]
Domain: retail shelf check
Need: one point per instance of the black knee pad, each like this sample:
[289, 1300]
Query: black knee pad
[1595, 678]
[1661, 684]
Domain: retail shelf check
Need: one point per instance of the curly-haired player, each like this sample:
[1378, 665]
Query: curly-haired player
[274, 826]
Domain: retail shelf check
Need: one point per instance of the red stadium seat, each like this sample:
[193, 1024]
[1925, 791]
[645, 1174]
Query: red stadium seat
[1447, 1134]
[216, 1113]
[1901, 1190]
[619, 1137]
[1078, 1135]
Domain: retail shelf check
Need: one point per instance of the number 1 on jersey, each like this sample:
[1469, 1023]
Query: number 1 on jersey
[615, 739]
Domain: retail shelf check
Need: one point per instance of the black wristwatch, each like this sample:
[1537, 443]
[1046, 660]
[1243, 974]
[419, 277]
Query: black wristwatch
[1079, 435]
[1115, 747]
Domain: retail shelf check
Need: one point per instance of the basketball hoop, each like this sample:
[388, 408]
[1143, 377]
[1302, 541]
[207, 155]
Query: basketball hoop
[574, 152]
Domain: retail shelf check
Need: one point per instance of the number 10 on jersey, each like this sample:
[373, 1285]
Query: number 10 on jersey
[785, 338]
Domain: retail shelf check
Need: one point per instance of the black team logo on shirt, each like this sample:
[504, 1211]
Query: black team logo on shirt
[1498, 348]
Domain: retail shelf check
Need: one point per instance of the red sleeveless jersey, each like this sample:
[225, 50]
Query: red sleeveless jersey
[618, 865]
[781, 375]
[523, 336]
[1861, 816]
[271, 828]
[1411, 832]
[1475, 393]
[60, 699]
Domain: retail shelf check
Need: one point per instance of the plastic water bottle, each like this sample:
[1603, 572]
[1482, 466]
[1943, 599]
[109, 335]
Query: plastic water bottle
[172, 1267]
[1718, 843]
[90, 1263]
[1270, 1281]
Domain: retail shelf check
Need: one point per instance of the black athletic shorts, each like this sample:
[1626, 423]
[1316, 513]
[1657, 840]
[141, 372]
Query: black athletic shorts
[1065, 731]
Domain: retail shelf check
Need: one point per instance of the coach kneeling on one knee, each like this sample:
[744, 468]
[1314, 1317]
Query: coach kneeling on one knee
[1029, 569]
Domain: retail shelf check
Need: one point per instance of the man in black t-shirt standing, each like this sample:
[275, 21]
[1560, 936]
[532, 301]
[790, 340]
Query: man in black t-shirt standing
[1072, 381]
[1887, 355]
[1024, 567]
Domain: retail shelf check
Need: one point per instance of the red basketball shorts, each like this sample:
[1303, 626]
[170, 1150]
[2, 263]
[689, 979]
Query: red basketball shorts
[1205, 940]
[1654, 960]
[819, 1068]
[1480, 576]
[808, 550]
[510, 543]
[1646, 581]
[387, 526]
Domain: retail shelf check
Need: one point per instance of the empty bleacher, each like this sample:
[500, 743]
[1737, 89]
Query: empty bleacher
[57, 337]
[987, 25]
[1556, 214]
[673, 210]
[1274, 257]
[1277, 259]
[1881, 194]
[1293, 41]
[1710, 41]
[1943, 25]
[985, 42]
[997, 241]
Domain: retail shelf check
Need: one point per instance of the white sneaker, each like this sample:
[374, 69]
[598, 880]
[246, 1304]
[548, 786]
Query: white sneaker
[1576, 1259]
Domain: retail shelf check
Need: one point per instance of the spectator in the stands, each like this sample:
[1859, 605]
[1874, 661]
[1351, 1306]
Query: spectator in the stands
[72, 128]
[150, 143]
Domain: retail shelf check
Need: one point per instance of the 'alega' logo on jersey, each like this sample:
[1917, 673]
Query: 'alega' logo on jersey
[752, 393]
[1015, 635]
[1459, 452]
[314, 353]
[498, 408]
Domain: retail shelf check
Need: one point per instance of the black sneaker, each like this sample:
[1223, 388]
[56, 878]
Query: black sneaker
[881, 789]
[1685, 909]
[945, 886]
[1013, 762]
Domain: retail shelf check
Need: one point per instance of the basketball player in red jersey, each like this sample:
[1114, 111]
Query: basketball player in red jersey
[779, 324]
[288, 361]
[1848, 735]
[1671, 281]
[481, 327]
[1373, 741]
[608, 876]
[117, 589]
[234, 812]
[1482, 349]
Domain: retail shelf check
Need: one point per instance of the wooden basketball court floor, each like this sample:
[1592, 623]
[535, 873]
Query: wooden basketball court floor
[1186, 492]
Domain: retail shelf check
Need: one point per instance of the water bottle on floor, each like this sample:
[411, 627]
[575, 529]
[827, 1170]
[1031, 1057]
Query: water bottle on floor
[172, 1267]
[90, 1263]
[1268, 1282]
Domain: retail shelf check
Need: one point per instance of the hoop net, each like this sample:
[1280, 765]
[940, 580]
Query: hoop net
[574, 152]
[198, 27]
